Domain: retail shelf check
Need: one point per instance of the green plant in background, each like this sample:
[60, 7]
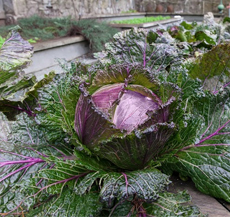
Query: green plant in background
[44, 28]
[97, 33]
[37, 28]
[203, 34]
[2, 40]
[33, 40]
[226, 20]
[129, 11]
[141, 20]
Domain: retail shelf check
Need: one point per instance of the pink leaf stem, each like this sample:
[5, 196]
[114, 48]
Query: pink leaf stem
[126, 183]
[214, 134]
[215, 92]
[203, 145]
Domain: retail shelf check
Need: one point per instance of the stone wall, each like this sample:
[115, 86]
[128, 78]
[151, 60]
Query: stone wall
[181, 6]
[16, 9]
[73, 8]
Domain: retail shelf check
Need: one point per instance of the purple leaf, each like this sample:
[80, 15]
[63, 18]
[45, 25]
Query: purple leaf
[132, 110]
[90, 124]
[25, 161]
[106, 96]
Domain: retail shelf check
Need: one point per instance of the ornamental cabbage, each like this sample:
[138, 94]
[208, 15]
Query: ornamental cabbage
[102, 140]
[125, 116]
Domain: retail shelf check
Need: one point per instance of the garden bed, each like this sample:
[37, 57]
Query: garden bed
[111, 17]
[71, 48]
[48, 52]
[141, 20]
[208, 205]
[150, 25]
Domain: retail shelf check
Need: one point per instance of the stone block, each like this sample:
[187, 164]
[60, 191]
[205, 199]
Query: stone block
[32, 8]
[8, 6]
[20, 8]
[207, 7]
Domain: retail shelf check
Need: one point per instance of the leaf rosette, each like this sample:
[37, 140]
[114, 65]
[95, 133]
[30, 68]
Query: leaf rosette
[126, 115]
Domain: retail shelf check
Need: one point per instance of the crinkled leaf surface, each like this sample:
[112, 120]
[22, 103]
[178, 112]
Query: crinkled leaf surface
[145, 184]
[68, 177]
[207, 165]
[27, 131]
[213, 63]
[15, 52]
[205, 156]
[18, 92]
[14, 89]
[171, 205]
[18, 180]
[24, 150]
[69, 204]
[87, 182]
[132, 46]
[167, 204]
[135, 150]
[78, 171]
[5, 130]
[58, 101]
[123, 209]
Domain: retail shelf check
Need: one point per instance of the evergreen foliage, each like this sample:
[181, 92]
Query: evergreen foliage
[97, 33]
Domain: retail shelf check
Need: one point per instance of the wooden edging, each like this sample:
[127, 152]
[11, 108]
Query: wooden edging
[44, 45]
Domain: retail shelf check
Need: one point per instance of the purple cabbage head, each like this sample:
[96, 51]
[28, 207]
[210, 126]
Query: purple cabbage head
[125, 116]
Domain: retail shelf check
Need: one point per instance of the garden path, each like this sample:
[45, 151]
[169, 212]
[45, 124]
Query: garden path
[207, 204]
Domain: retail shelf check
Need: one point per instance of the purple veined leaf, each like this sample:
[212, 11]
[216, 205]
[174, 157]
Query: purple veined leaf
[132, 47]
[142, 184]
[17, 171]
[15, 52]
[91, 125]
[208, 165]
[23, 162]
[26, 162]
[223, 87]
[213, 134]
